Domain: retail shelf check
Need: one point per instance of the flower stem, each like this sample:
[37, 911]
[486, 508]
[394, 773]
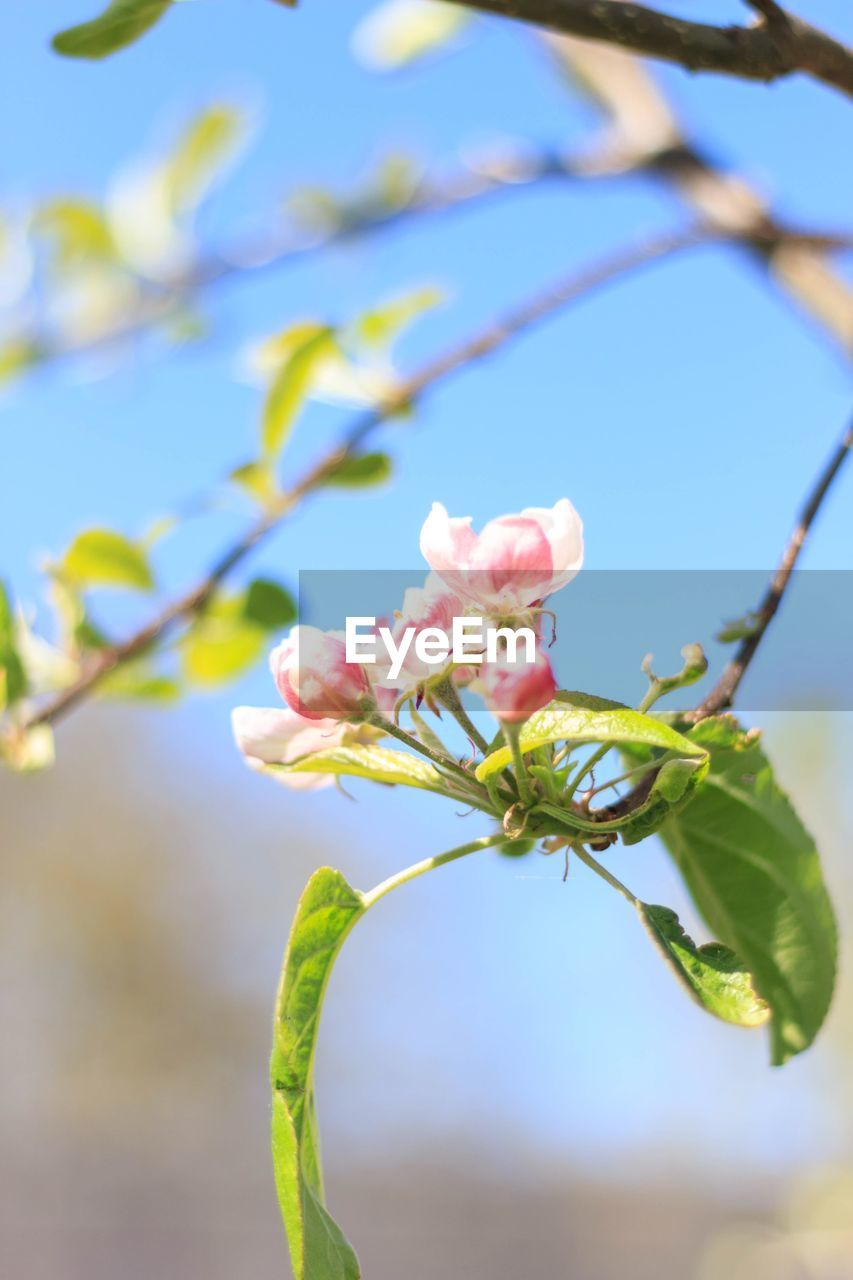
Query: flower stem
[586, 767]
[448, 696]
[428, 864]
[629, 773]
[599, 870]
[440, 762]
[654, 691]
[512, 734]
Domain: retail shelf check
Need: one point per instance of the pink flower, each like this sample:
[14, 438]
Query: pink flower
[314, 678]
[386, 699]
[515, 562]
[432, 605]
[273, 735]
[514, 690]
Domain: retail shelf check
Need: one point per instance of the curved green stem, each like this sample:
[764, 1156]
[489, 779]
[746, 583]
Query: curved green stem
[587, 766]
[599, 870]
[571, 820]
[428, 864]
[630, 773]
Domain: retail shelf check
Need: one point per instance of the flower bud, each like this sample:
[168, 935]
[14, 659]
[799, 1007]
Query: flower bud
[314, 678]
[278, 735]
[515, 689]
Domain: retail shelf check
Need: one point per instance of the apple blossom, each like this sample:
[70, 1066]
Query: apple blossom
[513, 564]
[431, 606]
[314, 678]
[279, 735]
[515, 689]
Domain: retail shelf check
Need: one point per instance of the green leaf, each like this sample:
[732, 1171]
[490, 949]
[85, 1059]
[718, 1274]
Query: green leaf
[361, 472]
[291, 385]
[395, 182]
[102, 557]
[17, 356]
[184, 325]
[712, 973]
[207, 144]
[13, 676]
[119, 25]
[257, 479]
[582, 718]
[327, 911]
[233, 632]
[399, 32]
[425, 734]
[317, 209]
[739, 628]
[379, 764]
[268, 605]
[219, 649]
[78, 231]
[754, 874]
[671, 789]
[136, 682]
[89, 635]
[380, 327]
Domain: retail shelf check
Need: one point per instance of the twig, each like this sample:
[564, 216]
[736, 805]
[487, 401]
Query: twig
[722, 695]
[575, 286]
[770, 11]
[766, 52]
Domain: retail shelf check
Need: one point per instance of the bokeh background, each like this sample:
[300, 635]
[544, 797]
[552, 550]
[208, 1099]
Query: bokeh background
[510, 1083]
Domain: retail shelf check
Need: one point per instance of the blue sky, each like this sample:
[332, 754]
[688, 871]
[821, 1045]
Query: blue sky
[683, 412]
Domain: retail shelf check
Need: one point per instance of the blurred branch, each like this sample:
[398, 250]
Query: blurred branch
[722, 695]
[577, 285]
[778, 45]
[272, 250]
[516, 168]
[644, 134]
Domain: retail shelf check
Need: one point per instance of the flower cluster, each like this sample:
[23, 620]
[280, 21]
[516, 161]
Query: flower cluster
[504, 574]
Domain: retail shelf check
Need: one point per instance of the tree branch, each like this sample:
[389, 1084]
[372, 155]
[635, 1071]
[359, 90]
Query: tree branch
[722, 695]
[771, 49]
[577, 285]
[723, 692]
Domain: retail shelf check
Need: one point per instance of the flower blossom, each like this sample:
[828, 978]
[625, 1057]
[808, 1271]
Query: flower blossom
[515, 689]
[278, 735]
[314, 678]
[432, 605]
[516, 562]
